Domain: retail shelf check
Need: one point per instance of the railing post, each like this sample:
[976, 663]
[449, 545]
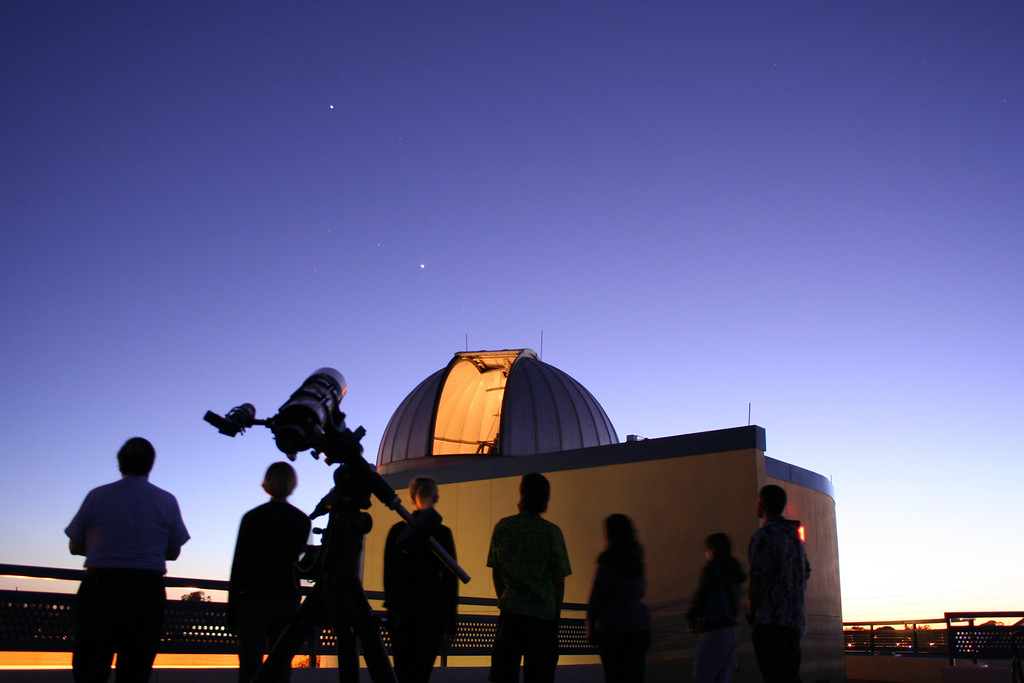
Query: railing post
[314, 641]
[950, 639]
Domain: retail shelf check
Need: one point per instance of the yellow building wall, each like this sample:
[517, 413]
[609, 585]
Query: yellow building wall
[675, 504]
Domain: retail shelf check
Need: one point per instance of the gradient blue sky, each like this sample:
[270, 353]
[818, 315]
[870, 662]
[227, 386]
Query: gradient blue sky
[814, 208]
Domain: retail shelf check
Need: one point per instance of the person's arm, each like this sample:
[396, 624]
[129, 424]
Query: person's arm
[753, 601]
[755, 592]
[237, 577]
[76, 530]
[179, 534]
[451, 585]
[559, 582]
[499, 585]
[700, 596]
[391, 559]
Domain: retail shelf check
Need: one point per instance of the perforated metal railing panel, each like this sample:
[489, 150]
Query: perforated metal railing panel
[36, 622]
[44, 622]
[988, 642]
[195, 627]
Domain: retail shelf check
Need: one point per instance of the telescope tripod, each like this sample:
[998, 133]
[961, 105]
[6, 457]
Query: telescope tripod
[337, 599]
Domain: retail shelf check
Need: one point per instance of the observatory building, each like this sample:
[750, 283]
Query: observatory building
[493, 403]
[488, 417]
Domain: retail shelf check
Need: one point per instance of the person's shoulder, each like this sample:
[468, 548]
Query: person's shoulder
[507, 521]
[549, 526]
[298, 516]
[506, 526]
[156, 491]
[104, 489]
[294, 511]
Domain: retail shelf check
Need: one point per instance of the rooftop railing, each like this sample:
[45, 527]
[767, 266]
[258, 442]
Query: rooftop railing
[959, 636]
[32, 621]
[43, 622]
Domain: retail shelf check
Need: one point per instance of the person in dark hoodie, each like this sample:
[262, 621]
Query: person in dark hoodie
[778, 582]
[713, 609]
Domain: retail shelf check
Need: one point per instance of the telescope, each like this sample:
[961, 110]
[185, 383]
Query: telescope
[311, 419]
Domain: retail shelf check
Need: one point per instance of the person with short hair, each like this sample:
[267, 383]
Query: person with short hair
[529, 564]
[778, 582]
[127, 530]
[421, 595]
[263, 593]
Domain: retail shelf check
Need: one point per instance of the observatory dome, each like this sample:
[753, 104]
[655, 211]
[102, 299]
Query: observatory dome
[493, 403]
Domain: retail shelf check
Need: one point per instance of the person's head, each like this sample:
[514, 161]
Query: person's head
[136, 457]
[717, 545]
[619, 531]
[624, 552]
[280, 480]
[423, 493]
[534, 493]
[771, 501]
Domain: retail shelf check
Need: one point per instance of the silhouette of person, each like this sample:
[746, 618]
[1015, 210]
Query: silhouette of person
[778, 580]
[421, 594]
[713, 609]
[617, 618]
[529, 564]
[126, 530]
[263, 594]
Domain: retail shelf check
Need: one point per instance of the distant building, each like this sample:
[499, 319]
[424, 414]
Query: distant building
[489, 417]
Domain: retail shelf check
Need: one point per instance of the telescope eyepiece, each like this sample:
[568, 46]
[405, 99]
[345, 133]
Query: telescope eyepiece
[237, 420]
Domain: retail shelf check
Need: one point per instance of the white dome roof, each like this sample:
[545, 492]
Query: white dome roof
[494, 403]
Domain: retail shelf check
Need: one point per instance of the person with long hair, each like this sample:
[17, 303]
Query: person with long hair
[713, 609]
[617, 618]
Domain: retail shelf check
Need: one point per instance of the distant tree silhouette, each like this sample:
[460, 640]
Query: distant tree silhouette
[197, 596]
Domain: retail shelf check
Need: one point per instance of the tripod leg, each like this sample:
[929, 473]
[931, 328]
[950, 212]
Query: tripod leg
[348, 655]
[366, 626]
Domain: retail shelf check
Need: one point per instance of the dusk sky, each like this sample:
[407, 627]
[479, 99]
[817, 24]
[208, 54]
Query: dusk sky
[816, 209]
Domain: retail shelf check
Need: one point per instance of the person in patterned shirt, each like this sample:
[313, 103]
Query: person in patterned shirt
[778, 580]
[529, 564]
